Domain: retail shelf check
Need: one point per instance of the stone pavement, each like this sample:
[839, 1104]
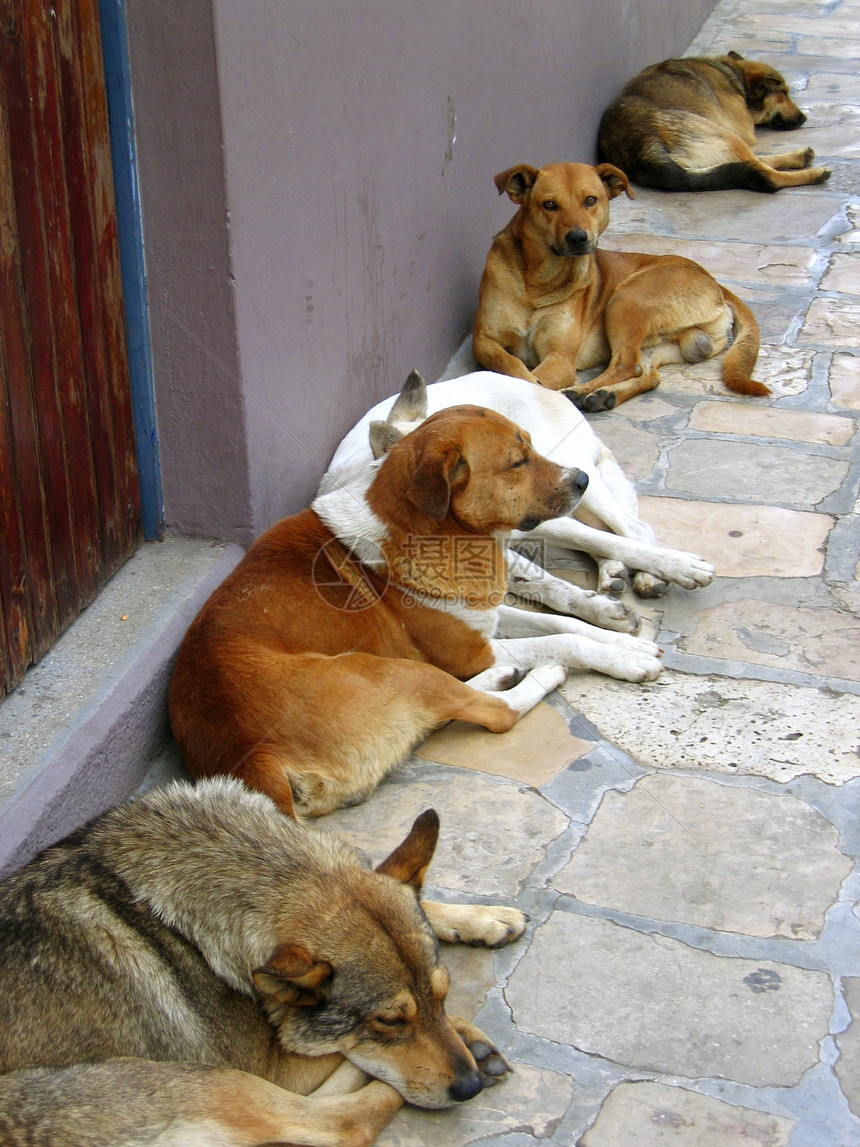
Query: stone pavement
[687, 850]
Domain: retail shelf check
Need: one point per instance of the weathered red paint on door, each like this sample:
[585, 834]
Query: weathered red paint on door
[69, 501]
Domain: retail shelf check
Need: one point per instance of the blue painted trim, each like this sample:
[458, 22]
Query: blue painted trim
[130, 228]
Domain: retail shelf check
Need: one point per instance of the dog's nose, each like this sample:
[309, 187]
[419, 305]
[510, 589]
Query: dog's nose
[576, 240]
[577, 480]
[466, 1087]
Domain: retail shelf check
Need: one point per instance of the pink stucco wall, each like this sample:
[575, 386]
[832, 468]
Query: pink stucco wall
[318, 202]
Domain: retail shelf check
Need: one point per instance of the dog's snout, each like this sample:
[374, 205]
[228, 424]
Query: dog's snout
[466, 1087]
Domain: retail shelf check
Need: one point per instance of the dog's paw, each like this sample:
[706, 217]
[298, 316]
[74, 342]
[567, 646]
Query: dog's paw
[638, 664]
[822, 174]
[647, 585]
[598, 400]
[479, 925]
[497, 678]
[608, 613]
[611, 577]
[806, 157]
[576, 396]
[489, 1060]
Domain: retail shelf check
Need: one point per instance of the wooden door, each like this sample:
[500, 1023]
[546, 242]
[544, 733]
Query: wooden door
[69, 500]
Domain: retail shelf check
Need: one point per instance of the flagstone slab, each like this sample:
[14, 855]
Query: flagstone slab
[651, 1114]
[723, 725]
[744, 262]
[652, 1003]
[848, 1065]
[824, 88]
[828, 49]
[825, 642]
[772, 422]
[530, 1100]
[843, 274]
[835, 321]
[786, 370]
[742, 541]
[648, 407]
[696, 851]
[470, 856]
[744, 216]
[753, 472]
[535, 750]
[851, 235]
[845, 381]
[636, 450]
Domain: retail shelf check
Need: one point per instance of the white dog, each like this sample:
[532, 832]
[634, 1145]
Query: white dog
[605, 524]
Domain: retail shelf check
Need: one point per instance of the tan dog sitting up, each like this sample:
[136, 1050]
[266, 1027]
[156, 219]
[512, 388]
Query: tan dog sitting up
[551, 303]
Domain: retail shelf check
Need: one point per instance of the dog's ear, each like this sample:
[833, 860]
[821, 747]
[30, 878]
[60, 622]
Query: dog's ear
[430, 488]
[763, 85]
[734, 55]
[517, 181]
[614, 180]
[411, 403]
[292, 977]
[411, 859]
[382, 437]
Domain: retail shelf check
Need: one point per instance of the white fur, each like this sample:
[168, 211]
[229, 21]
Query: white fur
[345, 511]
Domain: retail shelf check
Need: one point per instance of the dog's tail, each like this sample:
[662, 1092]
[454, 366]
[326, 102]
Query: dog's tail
[741, 355]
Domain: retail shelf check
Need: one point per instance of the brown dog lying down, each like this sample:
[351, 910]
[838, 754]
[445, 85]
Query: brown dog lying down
[552, 303]
[689, 125]
[194, 969]
[346, 633]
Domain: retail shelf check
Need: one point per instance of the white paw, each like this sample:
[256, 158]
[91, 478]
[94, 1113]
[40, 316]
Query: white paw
[686, 570]
[647, 585]
[611, 577]
[637, 668]
[608, 613]
[496, 679]
[635, 665]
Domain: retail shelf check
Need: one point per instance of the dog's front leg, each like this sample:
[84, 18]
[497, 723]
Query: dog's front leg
[686, 570]
[557, 371]
[491, 355]
[532, 583]
[576, 652]
[522, 623]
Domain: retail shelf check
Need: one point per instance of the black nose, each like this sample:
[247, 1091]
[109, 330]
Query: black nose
[466, 1087]
[576, 240]
[580, 480]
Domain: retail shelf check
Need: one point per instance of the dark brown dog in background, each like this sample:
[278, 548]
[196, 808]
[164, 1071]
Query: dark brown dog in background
[551, 303]
[689, 125]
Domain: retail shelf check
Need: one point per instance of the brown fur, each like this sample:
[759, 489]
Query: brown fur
[551, 302]
[689, 125]
[310, 674]
[195, 968]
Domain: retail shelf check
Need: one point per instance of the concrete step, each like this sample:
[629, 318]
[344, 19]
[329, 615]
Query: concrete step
[78, 734]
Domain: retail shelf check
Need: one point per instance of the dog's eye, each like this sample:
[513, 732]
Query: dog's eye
[392, 1022]
[549, 205]
[520, 462]
[590, 200]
